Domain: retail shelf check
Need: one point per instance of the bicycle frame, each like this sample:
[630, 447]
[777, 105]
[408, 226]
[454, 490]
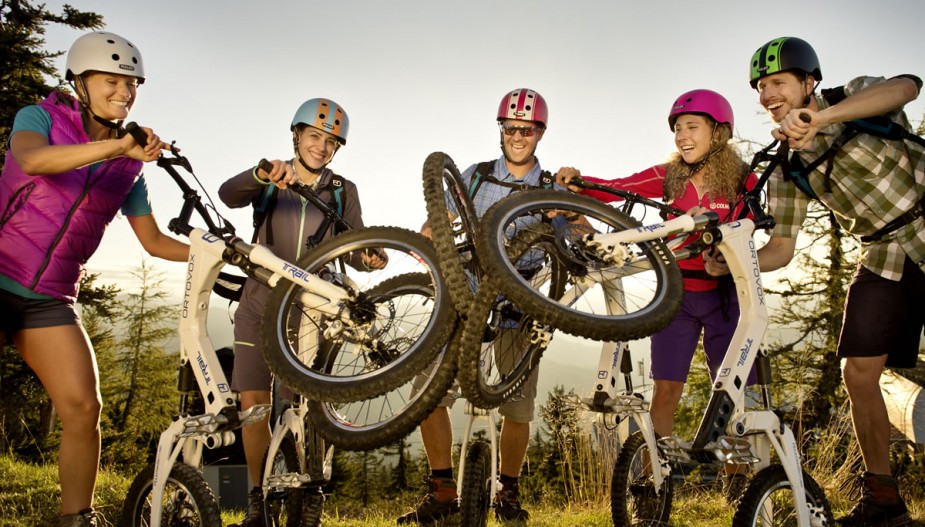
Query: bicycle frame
[728, 431]
[210, 251]
[292, 420]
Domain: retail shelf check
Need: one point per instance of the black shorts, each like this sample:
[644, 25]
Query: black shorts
[884, 317]
[18, 313]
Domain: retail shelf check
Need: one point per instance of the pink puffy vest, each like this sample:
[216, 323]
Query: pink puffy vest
[51, 225]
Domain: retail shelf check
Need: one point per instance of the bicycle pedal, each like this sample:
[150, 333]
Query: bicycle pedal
[618, 404]
[674, 450]
[735, 450]
[289, 480]
[201, 424]
[254, 414]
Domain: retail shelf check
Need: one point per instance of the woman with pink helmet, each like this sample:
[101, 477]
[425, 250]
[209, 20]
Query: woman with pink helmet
[704, 174]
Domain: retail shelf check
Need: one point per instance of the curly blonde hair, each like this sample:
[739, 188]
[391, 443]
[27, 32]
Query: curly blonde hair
[723, 171]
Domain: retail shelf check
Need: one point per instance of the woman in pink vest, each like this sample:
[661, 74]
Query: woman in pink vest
[68, 170]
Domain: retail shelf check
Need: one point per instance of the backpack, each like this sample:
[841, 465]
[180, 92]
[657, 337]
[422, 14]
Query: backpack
[879, 126]
[265, 202]
[483, 173]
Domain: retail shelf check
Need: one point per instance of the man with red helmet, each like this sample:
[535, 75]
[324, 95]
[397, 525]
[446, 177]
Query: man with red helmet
[522, 117]
[874, 186]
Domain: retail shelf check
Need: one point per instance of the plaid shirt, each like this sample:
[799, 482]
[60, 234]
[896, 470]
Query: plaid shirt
[873, 181]
[490, 193]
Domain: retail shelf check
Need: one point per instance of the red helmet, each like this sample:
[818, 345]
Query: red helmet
[525, 105]
[704, 102]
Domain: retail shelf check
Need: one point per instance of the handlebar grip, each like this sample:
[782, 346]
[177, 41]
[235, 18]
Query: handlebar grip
[137, 134]
[805, 117]
[265, 165]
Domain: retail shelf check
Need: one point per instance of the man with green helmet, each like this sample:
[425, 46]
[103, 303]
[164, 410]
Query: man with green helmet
[874, 185]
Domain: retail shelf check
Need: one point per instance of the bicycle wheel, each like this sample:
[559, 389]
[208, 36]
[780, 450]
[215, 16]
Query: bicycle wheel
[382, 420]
[633, 497]
[495, 360]
[768, 501]
[381, 340]
[475, 500]
[283, 503]
[188, 501]
[630, 299]
[318, 465]
[453, 240]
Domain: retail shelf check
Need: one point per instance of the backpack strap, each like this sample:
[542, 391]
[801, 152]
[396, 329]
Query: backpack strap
[338, 194]
[483, 174]
[482, 171]
[879, 126]
[263, 205]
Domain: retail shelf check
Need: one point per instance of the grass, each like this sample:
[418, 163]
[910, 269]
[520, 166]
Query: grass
[29, 495]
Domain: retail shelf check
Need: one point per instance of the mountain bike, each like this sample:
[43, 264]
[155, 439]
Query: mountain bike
[374, 350]
[623, 283]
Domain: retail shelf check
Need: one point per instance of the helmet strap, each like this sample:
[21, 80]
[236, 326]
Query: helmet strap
[83, 97]
[809, 96]
[698, 166]
[298, 155]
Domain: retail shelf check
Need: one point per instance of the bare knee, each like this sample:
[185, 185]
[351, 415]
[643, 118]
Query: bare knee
[81, 413]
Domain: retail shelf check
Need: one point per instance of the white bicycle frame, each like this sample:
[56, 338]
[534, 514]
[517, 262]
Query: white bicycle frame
[728, 431]
[292, 420]
[185, 438]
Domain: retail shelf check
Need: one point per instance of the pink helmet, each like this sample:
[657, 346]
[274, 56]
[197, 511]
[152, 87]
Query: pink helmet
[704, 102]
[525, 105]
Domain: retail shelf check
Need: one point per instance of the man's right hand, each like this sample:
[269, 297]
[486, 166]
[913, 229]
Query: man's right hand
[566, 176]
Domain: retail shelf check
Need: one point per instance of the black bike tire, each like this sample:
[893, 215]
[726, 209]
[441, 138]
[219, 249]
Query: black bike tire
[491, 246]
[475, 388]
[293, 497]
[766, 481]
[619, 487]
[315, 459]
[439, 169]
[184, 477]
[316, 385]
[475, 500]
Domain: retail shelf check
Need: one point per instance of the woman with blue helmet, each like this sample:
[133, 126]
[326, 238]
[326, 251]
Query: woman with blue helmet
[319, 129]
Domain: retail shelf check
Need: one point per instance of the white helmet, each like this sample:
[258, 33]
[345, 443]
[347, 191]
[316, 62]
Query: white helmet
[107, 52]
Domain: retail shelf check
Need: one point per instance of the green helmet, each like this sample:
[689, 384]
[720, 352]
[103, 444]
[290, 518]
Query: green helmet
[784, 54]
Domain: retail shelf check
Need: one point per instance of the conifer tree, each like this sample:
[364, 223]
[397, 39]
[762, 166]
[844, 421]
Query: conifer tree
[27, 74]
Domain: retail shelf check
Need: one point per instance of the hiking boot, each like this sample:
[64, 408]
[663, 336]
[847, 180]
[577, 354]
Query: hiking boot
[85, 518]
[507, 505]
[734, 486]
[255, 510]
[439, 502]
[880, 504]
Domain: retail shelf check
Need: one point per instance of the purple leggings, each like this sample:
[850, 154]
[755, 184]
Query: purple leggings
[701, 313]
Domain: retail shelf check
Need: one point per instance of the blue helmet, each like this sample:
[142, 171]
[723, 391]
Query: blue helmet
[325, 115]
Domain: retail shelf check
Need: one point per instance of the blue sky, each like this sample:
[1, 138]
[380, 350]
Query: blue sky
[225, 78]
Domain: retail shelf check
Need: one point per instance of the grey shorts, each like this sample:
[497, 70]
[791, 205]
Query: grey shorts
[521, 408]
[17, 313]
[250, 370]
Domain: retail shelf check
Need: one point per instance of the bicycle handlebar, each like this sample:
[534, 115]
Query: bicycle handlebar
[137, 134]
[630, 198]
[309, 194]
